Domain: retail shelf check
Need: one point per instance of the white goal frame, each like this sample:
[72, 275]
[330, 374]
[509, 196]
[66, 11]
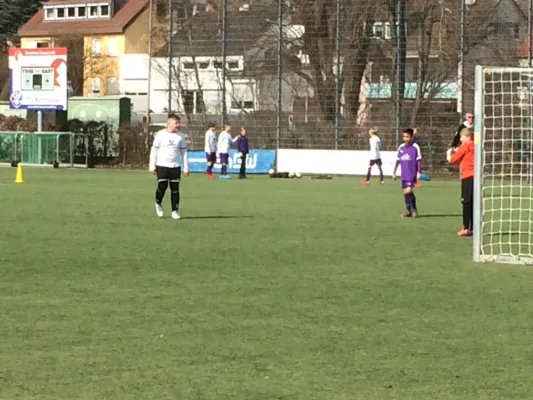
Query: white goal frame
[481, 240]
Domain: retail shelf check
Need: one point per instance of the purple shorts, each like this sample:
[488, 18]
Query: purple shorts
[224, 158]
[211, 157]
[408, 184]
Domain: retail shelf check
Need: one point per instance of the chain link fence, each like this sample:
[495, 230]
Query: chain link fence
[319, 74]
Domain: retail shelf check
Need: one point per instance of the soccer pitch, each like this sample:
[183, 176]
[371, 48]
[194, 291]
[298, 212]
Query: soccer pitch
[266, 289]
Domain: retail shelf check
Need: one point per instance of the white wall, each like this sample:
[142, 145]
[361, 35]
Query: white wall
[251, 95]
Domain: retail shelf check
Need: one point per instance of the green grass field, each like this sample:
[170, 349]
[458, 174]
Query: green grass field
[266, 289]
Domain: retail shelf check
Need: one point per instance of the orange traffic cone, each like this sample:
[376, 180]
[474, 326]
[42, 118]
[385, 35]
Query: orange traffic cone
[20, 176]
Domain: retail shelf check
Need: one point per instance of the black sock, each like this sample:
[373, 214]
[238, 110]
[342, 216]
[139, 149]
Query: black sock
[175, 195]
[407, 198]
[413, 201]
[380, 174]
[162, 185]
[368, 174]
[467, 215]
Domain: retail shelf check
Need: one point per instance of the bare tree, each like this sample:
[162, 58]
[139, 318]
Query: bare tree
[320, 19]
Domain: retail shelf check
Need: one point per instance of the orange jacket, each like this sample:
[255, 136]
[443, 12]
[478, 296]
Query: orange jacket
[465, 156]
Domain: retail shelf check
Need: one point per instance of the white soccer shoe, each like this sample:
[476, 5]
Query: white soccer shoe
[175, 215]
[158, 210]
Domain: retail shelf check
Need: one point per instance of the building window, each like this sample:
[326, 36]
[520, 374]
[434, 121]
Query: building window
[112, 47]
[104, 10]
[41, 45]
[203, 65]
[187, 65]
[381, 30]
[507, 29]
[71, 12]
[82, 12]
[193, 102]
[233, 65]
[218, 64]
[93, 11]
[96, 47]
[242, 97]
[113, 87]
[60, 13]
[49, 13]
[95, 86]
[161, 9]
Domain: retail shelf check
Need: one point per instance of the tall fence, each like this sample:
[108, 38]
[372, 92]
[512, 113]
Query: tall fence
[319, 74]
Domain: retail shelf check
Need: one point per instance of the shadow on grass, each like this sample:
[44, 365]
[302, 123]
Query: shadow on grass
[219, 217]
[439, 215]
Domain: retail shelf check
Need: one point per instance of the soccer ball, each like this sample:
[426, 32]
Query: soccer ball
[271, 171]
[298, 175]
[292, 174]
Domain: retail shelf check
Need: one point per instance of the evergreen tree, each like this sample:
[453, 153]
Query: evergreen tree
[14, 14]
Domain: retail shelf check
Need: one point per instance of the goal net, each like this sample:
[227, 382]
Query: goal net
[503, 195]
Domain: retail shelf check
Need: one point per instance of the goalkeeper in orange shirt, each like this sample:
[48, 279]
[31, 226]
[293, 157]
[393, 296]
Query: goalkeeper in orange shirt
[464, 156]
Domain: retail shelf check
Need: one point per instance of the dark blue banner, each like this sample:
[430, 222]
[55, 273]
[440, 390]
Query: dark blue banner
[258, 162]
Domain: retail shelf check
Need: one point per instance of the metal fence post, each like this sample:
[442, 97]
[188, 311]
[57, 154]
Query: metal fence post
[529, 34]
[461, 72]
[224, 57]
[150, 51]
[337, 72]
[400, 67]
[279, 74]
[170, 55]
[71, 149]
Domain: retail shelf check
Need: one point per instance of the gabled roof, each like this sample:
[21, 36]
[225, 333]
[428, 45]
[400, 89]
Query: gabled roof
[523, 6]
[37, 26]
[202, 35]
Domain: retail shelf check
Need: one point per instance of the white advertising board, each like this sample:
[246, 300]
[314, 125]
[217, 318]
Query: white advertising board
[38, 79]
[332, 162]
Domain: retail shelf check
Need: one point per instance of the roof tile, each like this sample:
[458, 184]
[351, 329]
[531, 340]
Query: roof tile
[37, 26]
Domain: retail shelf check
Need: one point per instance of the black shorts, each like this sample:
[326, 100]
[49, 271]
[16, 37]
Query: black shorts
[168, 174]
[376, 162]
[467, 190]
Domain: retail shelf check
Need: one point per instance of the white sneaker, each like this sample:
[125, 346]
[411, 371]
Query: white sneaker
[158, 210]
[175, 215]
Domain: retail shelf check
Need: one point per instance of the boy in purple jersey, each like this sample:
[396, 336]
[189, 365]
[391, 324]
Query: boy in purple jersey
[410, 159]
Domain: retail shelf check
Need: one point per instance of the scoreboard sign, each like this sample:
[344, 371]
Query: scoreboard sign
[38, 79]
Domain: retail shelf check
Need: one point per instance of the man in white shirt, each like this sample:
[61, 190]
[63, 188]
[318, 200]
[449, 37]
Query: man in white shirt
[167, 157]
[375, 156]
[210, 149]
[224, 144]
[468, 123]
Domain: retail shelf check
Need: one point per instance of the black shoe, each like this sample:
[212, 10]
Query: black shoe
[407, 214]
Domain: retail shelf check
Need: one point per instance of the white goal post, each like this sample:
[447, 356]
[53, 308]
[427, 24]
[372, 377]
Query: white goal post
[503, 187]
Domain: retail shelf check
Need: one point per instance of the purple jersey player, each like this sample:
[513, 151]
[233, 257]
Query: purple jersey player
[410, 160]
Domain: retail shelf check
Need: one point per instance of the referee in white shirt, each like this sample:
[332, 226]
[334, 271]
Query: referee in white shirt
[167, 157]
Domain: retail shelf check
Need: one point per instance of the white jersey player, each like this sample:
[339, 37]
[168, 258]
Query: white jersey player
[210, 147]
[375, 156]
[224, 145]
[167, 158]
